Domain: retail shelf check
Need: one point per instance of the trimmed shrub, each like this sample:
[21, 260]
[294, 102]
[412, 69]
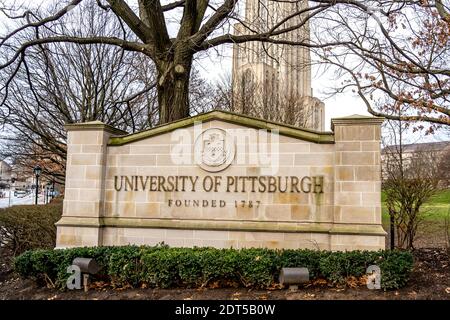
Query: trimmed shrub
[336, 267]
[164, 267]
[256, 267]
[124, 266]
[305, 258]
[29, 227]
[218, 265]
[395, 268]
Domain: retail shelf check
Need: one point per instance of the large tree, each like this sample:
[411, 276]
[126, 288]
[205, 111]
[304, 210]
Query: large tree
[173, 34]
[393, 54]
[61, 83]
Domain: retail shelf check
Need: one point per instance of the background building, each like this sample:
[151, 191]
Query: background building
[408, 150]
[5, 171]
[273, 81]
[435, 154]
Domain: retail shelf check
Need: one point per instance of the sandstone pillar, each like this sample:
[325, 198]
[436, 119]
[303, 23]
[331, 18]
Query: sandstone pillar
[83, 206]
[357, 186]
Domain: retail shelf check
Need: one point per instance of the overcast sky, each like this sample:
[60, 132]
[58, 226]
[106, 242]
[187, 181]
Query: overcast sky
[341, 105]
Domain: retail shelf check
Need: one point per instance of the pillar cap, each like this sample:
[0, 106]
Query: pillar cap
[93, 126]
[356, 120]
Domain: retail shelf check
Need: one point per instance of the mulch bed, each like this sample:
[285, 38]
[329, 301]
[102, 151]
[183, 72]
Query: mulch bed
[430, 279]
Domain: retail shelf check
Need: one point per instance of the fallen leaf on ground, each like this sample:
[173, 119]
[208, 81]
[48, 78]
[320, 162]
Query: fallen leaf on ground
[97, 285]
[125, 287]
[363, 280]
[214, 285]
[447, 290]
[352, 282]
[320, 282]
[235, 296]
[275, 286]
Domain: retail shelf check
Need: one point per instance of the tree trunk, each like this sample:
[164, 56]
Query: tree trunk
[392, 230]
[173, 90]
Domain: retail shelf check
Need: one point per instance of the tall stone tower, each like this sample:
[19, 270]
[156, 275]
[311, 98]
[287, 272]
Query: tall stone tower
[273, 81]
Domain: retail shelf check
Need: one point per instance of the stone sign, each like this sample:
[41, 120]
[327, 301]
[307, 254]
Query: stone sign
[224, 180]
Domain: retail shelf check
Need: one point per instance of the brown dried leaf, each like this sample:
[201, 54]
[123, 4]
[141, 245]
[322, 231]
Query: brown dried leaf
[214, 285]
[125, 287]
[98, 285]
[363, 280]
[352, 282]
[320, 282]
[275, 286]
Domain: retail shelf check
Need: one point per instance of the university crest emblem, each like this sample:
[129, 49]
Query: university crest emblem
[215, 150]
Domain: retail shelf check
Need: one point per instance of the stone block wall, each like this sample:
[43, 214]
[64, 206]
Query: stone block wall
[85, 185]
[345, 216]
[357, 182]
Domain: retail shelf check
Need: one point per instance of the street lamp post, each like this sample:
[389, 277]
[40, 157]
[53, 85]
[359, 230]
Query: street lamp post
[53, 189]
[48, 191]
[37, 171]
[13, 180]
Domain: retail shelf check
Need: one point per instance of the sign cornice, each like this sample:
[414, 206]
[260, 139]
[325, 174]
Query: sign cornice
[234, 118]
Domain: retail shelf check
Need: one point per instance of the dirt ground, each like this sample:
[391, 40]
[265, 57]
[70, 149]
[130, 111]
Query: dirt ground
[430, 279]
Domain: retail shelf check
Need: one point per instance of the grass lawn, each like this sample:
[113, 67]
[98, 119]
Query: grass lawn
[436, 209]
[433, 214]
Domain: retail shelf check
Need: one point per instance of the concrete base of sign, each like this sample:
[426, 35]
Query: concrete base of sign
[118, 188]
[114, 236]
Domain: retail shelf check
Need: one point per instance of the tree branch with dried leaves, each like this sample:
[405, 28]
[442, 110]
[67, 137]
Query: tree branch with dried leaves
[397, 70]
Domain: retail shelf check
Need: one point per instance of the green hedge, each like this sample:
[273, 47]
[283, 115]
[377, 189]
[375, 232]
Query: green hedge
[28, 227]
[165, 267]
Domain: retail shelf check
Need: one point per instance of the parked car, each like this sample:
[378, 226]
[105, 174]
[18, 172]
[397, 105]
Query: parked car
[53, 194]
[21, 193]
